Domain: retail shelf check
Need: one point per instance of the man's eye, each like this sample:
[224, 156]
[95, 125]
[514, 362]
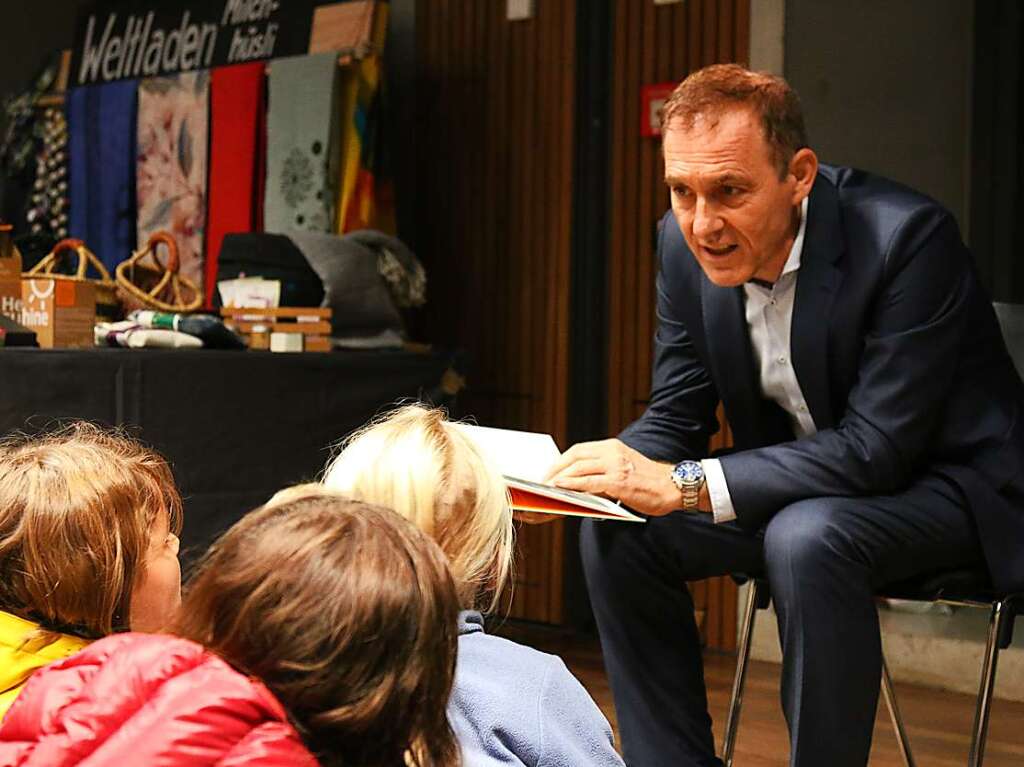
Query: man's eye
[731, 191]
[680, 191]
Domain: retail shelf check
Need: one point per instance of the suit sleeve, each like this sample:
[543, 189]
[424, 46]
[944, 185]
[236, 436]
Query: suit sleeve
[680, 417]
[907, 364]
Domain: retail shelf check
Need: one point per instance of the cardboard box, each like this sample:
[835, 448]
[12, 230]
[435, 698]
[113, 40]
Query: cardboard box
[61, 312]
[10, 284]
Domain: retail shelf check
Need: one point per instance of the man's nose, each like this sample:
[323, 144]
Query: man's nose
[706, 220]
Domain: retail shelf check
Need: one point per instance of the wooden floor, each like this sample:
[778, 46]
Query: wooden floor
[938, 723]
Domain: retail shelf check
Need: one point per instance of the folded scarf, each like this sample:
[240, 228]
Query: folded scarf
[101, 146]
[302, 139]
[237, 152]
[171, 169]
[365, 195]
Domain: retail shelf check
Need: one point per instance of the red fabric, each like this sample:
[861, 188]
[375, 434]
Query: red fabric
[237, 149]
[146, 699]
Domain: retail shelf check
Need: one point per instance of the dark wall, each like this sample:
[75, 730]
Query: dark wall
[886, 87]
[997, 204]
[400, 113]
[29, 34]
[29, 37]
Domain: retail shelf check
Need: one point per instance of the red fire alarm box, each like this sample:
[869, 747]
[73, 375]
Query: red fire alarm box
[651, 99]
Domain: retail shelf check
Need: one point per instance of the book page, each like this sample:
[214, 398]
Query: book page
[522, 454]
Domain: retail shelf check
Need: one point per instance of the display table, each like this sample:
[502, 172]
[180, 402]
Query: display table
[236, 426]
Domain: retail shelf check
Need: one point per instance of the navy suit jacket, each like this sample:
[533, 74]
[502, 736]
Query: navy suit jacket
[898, 353]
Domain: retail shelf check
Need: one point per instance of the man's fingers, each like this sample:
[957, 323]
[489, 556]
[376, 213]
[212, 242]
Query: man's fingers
[583, 451]
[575, 453]
[582, 468]
[593, 484]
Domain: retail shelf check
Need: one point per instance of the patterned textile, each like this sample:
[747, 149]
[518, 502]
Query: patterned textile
[48, 214]
[25, 134]
[237, 153]
[302, 140]
[101, 148]
[366, 199]
[171, 169]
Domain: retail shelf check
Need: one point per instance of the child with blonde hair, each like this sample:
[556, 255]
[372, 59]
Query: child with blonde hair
[511, 705]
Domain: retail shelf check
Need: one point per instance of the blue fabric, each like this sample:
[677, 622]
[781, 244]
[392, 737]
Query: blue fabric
[101, 146]
[513, 705]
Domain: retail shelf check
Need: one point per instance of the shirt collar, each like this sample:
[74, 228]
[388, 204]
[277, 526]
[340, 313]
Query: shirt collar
[795, 252]
[759, 292]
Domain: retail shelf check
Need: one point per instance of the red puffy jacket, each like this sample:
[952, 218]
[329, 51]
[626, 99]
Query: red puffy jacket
[137, 699]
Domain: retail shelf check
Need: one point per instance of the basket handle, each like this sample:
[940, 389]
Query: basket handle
[172, 251]
[85, 257]
[76, 247]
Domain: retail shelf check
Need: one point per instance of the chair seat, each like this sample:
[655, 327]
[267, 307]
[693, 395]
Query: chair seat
[968, 584]
[962, 585]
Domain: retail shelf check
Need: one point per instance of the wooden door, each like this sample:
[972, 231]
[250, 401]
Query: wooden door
[494, 135]
[656, 44]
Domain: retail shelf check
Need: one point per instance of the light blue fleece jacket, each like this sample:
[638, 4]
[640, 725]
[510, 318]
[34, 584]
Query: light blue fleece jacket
[513, 705]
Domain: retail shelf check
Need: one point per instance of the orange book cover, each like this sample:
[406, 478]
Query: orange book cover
[524, 500]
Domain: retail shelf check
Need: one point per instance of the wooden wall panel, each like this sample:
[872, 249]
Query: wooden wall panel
[655, 44]
[494, 135]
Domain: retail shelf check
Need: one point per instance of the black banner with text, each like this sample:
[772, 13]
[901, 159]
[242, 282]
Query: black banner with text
[117, 39]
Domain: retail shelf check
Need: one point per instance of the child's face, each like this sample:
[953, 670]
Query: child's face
[157, 593]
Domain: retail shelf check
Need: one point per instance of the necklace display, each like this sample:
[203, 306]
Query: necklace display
[48, 211]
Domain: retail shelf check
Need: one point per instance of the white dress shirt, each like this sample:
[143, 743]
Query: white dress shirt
[769, 313]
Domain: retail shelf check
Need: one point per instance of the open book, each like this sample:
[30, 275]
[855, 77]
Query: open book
[524, 458]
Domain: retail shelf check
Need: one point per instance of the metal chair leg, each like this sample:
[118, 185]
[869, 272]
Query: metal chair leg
[894, 714]
[733, 720]
[988, 680]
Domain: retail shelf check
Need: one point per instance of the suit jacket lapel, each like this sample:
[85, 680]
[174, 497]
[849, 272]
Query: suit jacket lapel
[732, 359]
[817, 284]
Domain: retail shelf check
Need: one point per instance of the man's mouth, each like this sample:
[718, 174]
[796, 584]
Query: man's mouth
[719, 250]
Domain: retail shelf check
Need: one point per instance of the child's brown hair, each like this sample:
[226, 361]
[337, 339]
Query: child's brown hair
[348, 614]
[77, 507]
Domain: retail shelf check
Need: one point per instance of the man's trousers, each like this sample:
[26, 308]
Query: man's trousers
[824, 559]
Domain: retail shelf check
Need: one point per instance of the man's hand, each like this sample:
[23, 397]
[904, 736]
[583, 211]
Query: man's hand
[612, 469]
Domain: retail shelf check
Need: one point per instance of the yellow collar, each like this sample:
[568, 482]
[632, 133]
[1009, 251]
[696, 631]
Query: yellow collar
[50, 646]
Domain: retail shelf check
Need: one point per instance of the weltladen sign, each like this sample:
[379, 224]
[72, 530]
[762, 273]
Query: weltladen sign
[119, 39]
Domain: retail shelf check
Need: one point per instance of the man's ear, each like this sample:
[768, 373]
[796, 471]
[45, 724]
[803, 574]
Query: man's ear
[803, 168]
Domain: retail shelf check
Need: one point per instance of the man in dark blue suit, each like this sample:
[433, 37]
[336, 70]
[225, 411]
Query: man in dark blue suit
[875, 411]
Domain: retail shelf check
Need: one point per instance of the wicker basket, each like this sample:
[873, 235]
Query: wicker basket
[155, 285]
[107, 305]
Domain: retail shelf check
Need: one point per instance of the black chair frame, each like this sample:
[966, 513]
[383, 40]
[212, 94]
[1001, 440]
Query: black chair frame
[963, 588]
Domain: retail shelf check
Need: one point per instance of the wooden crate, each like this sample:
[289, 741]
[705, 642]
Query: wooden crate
[255, 326]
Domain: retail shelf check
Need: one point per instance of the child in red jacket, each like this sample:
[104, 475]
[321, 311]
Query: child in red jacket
[316, 629]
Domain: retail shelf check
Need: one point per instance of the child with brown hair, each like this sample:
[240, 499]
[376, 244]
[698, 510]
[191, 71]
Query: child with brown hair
[316, 628]
[89, 523]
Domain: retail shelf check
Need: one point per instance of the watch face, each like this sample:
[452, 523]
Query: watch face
[689, 472]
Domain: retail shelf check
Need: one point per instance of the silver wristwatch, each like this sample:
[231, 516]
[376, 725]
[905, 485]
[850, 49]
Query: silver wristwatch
[688, 476]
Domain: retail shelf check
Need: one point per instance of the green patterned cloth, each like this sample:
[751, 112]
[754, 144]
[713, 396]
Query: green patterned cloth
[302, 144]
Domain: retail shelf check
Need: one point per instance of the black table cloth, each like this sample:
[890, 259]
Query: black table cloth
[236, 426]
